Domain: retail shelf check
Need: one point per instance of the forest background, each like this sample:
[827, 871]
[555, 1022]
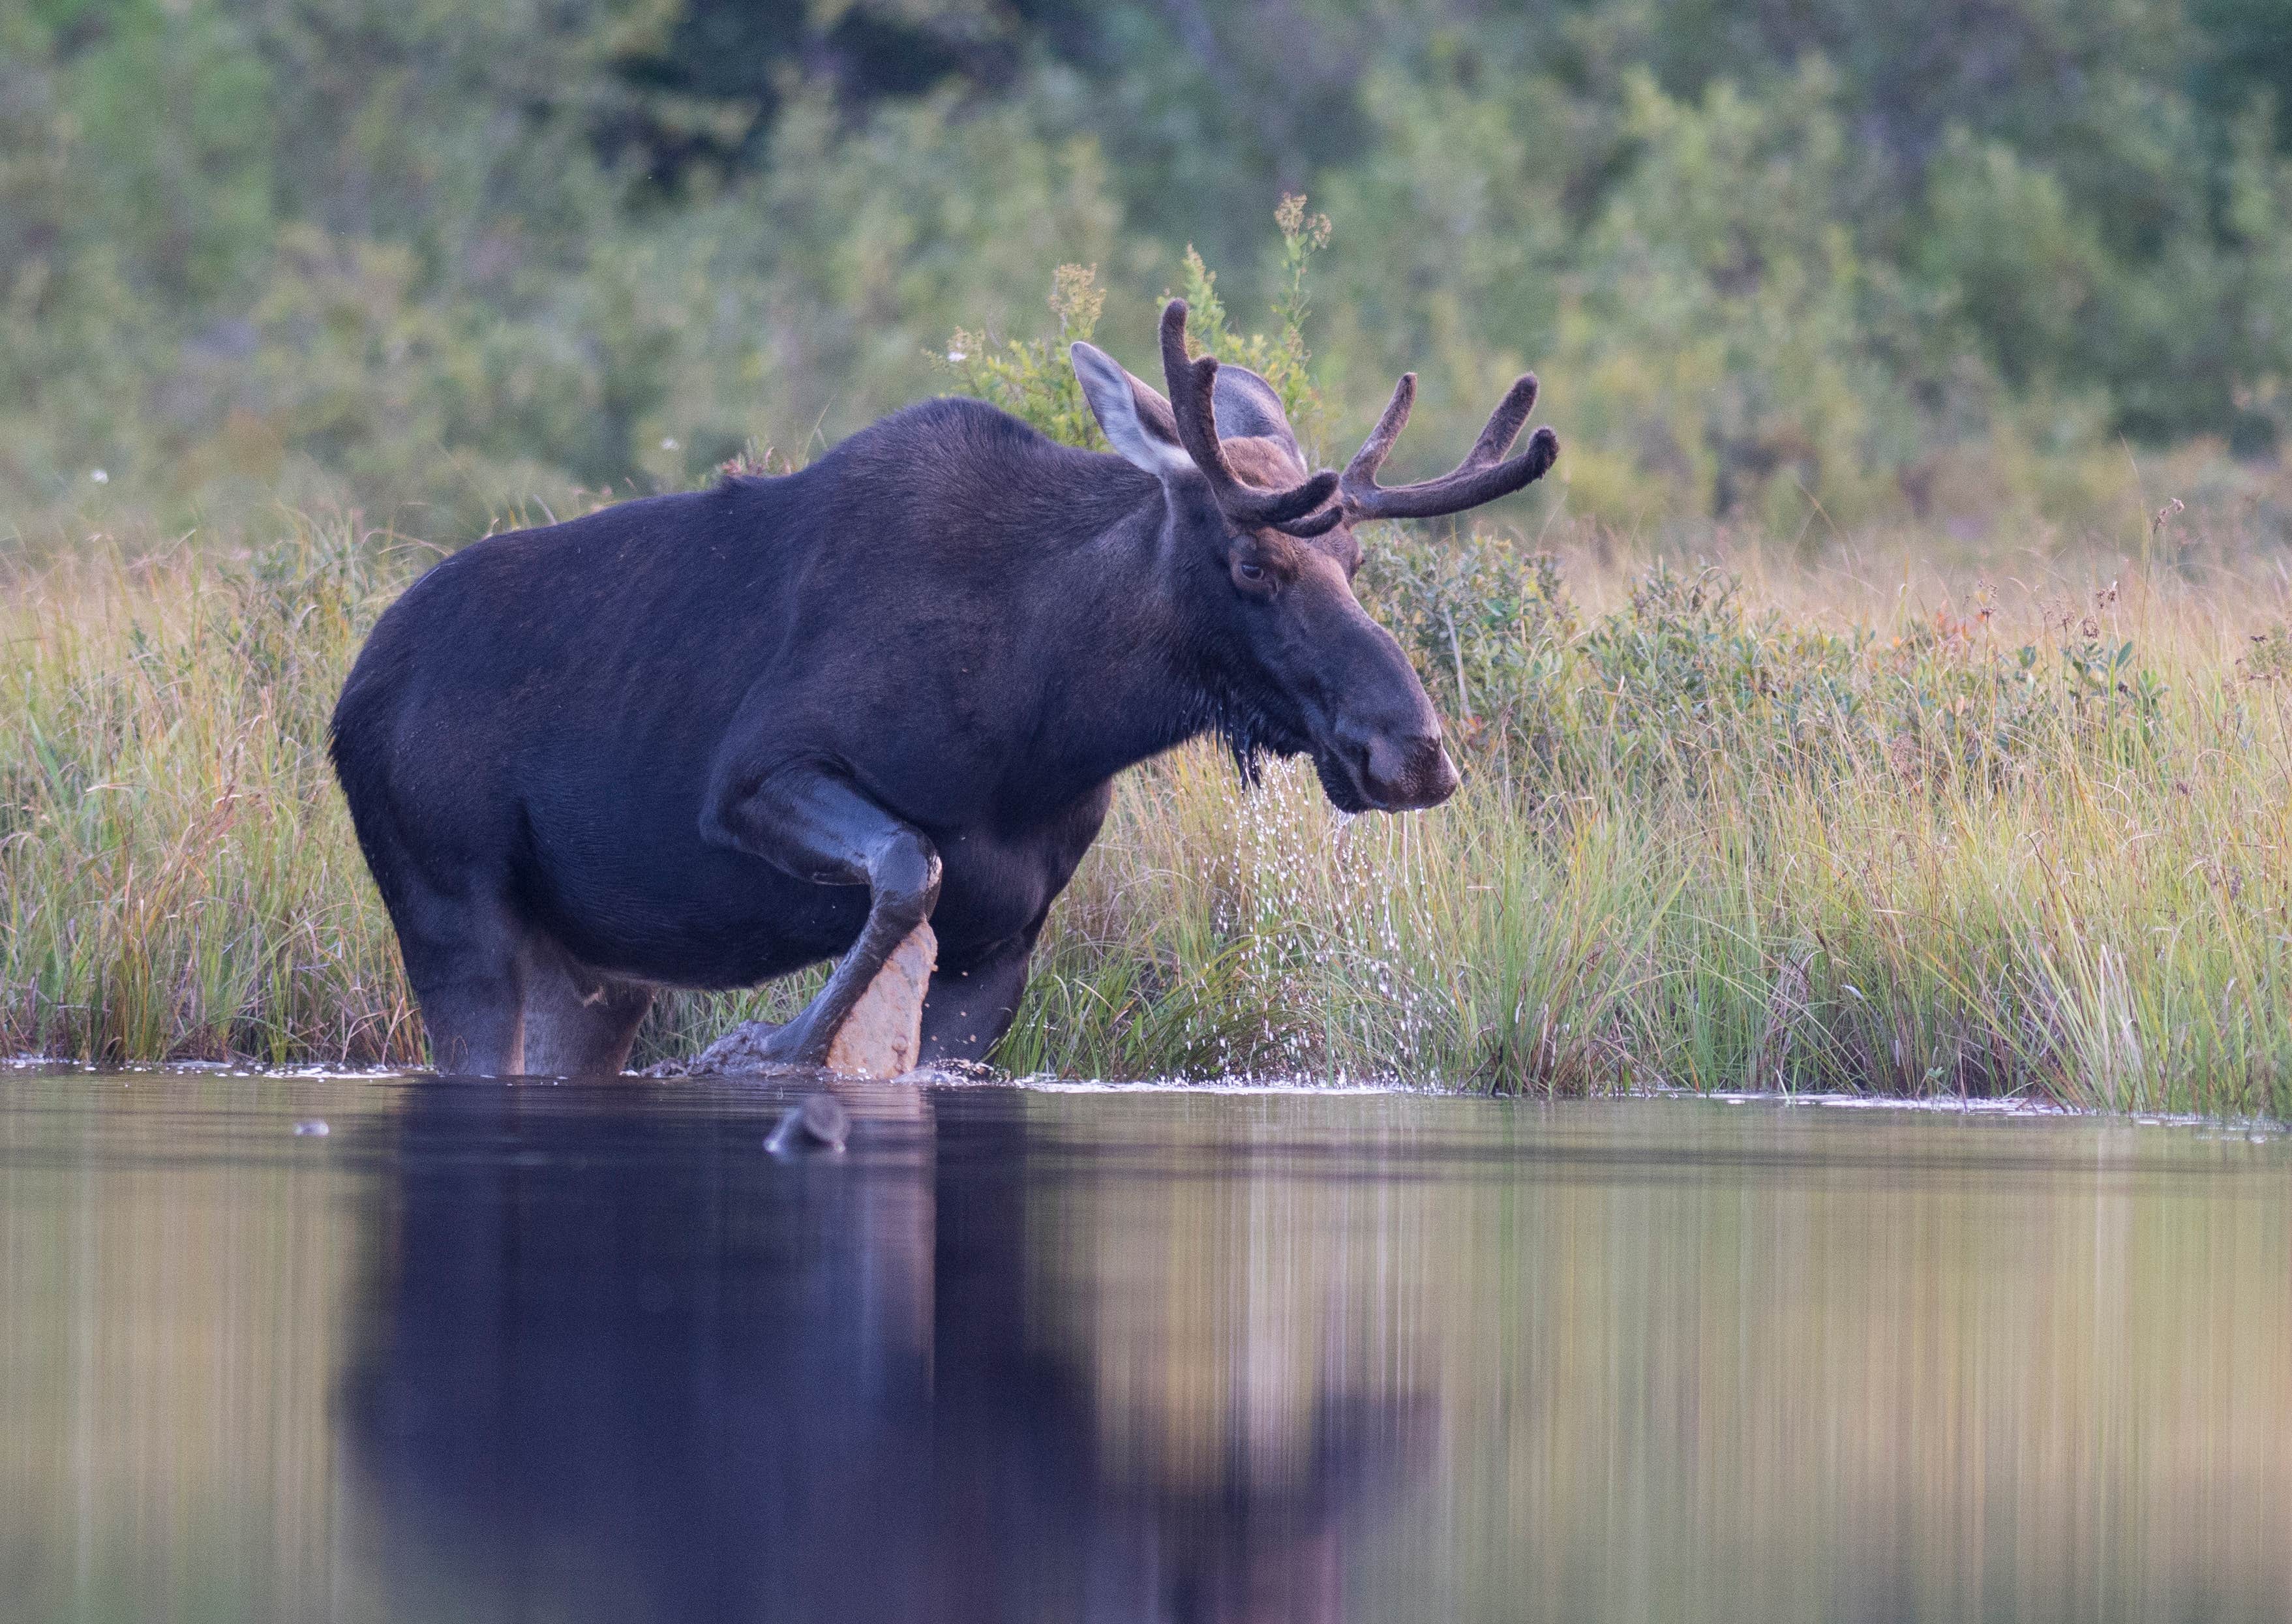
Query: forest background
[1798, 264]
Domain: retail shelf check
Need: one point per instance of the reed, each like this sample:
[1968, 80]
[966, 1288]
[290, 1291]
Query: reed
[1808, 824]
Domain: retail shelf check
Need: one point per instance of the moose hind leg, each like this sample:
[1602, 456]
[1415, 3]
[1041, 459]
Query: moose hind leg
[463, 957]
[475, 1021]
[578, 1022]
[462, 940]
[817, 826]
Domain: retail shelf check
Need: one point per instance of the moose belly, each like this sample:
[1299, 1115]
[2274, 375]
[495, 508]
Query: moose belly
[699, 917]
[681, 912]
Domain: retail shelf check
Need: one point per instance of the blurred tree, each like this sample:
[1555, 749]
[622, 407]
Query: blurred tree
[2244, 49]
[1787, 251]
[710, 77]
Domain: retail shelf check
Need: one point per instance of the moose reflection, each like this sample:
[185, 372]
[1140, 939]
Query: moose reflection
[627, 1365]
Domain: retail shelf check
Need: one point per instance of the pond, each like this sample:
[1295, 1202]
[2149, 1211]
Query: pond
[586, 1352]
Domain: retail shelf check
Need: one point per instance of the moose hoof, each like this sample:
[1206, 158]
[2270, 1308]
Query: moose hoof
[883, 1037]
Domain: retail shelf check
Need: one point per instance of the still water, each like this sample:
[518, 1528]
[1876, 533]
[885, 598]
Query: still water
[586, 1351]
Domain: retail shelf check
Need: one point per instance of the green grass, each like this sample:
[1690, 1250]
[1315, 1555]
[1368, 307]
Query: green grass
[1778, 829]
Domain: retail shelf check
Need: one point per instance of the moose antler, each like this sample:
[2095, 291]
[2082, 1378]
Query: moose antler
[1481, 477]
[1192, 384]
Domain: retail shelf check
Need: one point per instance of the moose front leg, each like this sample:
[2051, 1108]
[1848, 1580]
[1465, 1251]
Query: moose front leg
[969, 1009]
[817, 826]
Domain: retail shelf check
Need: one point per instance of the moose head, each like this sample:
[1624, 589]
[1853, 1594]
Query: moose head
[1263, 556]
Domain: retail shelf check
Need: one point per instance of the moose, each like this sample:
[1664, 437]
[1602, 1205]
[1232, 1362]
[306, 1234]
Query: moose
[708, 738]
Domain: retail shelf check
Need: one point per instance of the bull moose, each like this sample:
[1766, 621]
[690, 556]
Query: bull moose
[708, 738]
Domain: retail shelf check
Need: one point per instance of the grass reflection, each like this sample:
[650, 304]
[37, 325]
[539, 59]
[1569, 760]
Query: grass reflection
[174, 1294]
[1720, 1362]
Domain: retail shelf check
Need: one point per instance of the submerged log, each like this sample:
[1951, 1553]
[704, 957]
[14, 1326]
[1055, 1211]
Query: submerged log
[883, 1034]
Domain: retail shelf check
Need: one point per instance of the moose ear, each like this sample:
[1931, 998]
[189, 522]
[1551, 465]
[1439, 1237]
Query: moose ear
[1138, 422]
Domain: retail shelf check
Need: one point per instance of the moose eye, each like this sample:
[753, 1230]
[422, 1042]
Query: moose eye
[1252, 573]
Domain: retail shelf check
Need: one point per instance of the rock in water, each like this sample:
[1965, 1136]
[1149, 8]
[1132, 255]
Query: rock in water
[883, 1035]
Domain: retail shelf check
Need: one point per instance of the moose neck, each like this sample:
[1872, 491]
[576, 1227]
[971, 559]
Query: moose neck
[1136, 690]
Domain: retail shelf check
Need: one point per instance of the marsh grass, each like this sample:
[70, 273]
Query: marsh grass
[1768, 828]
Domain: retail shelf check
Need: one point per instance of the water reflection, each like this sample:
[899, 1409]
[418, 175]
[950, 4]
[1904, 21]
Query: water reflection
[634, 1369]
[489, 1352]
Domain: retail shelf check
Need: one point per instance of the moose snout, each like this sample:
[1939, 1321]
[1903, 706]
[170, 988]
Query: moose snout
[1406, 771]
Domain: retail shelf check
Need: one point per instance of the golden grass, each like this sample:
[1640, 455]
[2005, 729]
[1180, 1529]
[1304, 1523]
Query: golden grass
[1714, 894]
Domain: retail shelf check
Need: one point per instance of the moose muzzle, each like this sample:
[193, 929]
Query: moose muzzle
[1403, 772]
[1391, 771]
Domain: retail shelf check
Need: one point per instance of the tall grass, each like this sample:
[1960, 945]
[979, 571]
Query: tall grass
[1773, 829]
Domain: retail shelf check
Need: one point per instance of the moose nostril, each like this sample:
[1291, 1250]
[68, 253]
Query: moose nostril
[1388, 761]
[1410, 769]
